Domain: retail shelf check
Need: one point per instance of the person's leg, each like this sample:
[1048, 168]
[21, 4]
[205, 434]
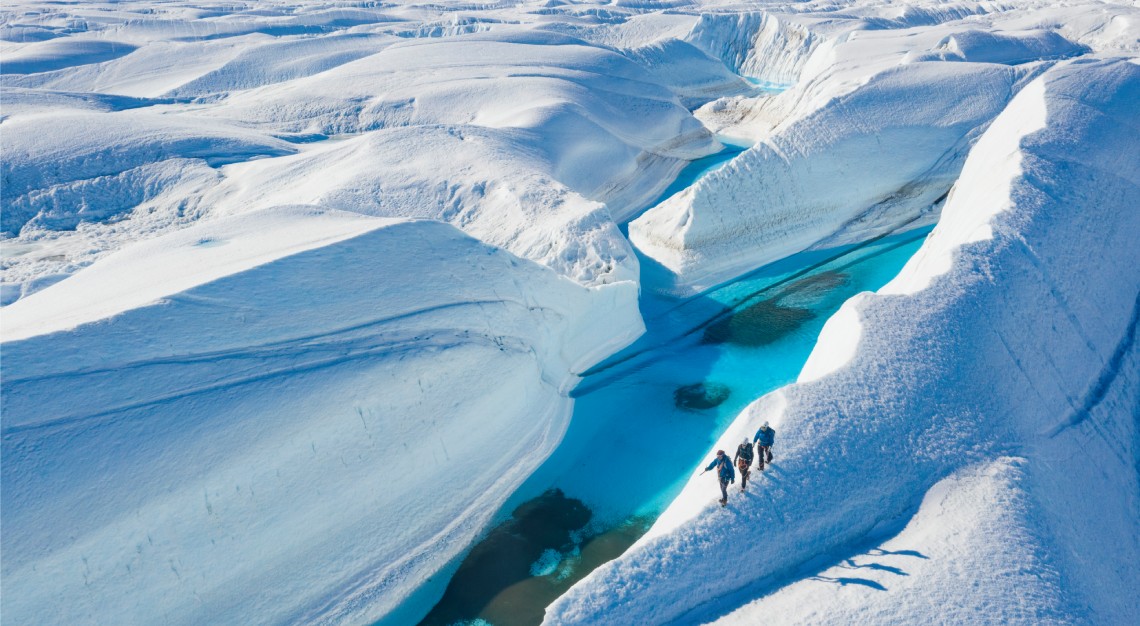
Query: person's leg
[760, 457]
[743, 478]
[723, 491]
[768, 449]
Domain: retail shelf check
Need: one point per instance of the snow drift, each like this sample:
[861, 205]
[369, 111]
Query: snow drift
[1002, 362]
[265, 424]
[864, 164]
[530, 140]
[872, 133]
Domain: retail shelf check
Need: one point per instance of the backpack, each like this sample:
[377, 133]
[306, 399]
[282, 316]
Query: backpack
[742, 464]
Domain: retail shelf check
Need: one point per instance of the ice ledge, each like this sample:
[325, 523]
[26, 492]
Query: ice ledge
[953, 364]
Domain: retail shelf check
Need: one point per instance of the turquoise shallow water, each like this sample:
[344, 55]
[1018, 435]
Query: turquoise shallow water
[645, 418]
[642, 420]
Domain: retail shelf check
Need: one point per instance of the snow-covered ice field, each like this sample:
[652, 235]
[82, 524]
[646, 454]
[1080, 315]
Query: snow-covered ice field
[296, 296]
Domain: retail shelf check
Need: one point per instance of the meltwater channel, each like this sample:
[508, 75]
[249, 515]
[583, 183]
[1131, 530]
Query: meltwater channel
[645, 418]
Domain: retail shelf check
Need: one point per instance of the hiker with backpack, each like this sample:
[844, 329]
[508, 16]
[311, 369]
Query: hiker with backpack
[724, 473]
[743, 460]
[764, 439]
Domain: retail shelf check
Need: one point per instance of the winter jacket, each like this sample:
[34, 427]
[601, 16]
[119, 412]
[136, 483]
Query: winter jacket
[743, 451]
[724, 471]
[765, 437]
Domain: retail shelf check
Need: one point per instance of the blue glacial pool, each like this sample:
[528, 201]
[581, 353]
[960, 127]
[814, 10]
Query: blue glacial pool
[645, 418]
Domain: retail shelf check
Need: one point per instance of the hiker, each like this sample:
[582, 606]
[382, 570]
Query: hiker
[743, 460]
[724, 474]
[764, 439]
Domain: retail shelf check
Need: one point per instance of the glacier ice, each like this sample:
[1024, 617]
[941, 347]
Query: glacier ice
[275, 272]
[1002, 336]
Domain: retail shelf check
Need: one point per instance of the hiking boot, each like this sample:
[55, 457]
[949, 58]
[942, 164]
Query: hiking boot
[723, 502]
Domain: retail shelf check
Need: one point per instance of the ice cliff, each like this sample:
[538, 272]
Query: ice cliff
[940, 450]
[214, 429]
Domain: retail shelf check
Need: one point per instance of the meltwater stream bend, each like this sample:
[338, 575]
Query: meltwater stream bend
[645, 418]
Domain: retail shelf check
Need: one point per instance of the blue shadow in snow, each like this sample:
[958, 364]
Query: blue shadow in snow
[843, 582]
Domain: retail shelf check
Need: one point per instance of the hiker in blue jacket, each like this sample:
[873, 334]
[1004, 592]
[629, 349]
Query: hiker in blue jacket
[764, 439]
[724, 473]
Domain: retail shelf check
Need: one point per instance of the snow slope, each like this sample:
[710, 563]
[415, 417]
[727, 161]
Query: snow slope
[871, 135]
[939, 453]
[526, 138]
[239, 371]
[263, 425]
[946, 557]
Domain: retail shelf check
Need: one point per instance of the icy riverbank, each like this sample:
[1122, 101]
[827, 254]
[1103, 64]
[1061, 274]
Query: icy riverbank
[640, 417]
[257, 448]
[240, 376]
[1004, 336]
[885, 106]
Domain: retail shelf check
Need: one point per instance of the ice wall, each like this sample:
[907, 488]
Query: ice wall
[1003, 336]
[756, 44]
[263, 419]
[872, 131]
[864, 163]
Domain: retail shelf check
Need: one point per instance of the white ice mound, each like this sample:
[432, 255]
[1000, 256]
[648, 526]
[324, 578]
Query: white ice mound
[1004, 356]
[306, 438]
[503, 194]
[865, 162]
[530, 140]
[46, 56]
[74, 166]
[979, 46]
[600, 118]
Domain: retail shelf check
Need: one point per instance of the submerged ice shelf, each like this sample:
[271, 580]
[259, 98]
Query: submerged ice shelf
[642, 418]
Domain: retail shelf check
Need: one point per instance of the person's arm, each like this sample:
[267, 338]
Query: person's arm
[711, 465]
[736, 456]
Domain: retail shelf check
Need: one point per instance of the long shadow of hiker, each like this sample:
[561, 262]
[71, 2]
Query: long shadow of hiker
[843, 582]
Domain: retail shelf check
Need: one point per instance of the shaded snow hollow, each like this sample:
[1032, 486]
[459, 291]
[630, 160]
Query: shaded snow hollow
[189, 453]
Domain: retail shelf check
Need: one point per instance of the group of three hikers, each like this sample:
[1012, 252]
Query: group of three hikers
[764, 439]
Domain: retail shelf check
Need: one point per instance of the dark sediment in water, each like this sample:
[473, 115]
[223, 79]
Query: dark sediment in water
[496, 582]
[810, 290]
[701, 396]
[505, 555]
[759, 324]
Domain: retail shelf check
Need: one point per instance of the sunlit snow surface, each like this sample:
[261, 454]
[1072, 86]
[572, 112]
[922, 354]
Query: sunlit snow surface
[969, 408]
[296, 295]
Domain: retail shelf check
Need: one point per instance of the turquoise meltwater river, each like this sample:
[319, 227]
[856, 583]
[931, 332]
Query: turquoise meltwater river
[645, 419]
